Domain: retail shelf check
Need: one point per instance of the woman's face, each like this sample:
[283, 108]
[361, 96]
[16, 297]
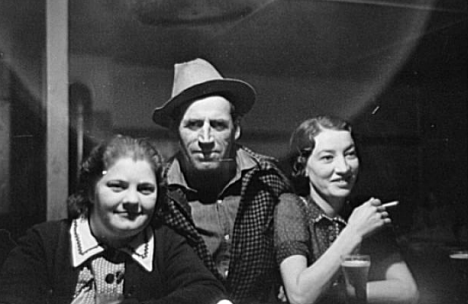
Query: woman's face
[124, 200]
[333, 166]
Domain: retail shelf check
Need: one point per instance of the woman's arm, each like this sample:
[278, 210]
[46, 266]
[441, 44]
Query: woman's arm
[398, 286]
[306, 284]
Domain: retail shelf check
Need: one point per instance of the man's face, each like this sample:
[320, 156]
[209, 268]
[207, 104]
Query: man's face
[207, 133]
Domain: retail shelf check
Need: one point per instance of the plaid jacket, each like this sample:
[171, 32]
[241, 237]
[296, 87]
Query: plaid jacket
[253, 273]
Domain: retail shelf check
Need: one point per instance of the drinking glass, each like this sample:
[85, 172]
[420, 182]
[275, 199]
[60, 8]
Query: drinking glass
[108, 298]
[459, 262]
[355, 269]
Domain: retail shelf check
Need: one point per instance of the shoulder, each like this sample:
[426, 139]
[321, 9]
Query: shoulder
[166, 234]
[43, 241]
[267, 170]
[290, 203]
[262, 160]
[289, 197]
[51, 229]
[52, 226]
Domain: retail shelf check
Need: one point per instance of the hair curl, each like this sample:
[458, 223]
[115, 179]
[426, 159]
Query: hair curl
[101, 159]
[302, 143]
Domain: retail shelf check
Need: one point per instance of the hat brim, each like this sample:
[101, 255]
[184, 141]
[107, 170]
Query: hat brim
[239, 93]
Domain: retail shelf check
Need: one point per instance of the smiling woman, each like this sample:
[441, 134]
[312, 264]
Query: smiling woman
[313, 231]
[111, 247]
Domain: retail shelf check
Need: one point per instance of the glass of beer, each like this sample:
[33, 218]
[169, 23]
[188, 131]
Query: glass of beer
[355, 269]
[459, 261]
[108, 298]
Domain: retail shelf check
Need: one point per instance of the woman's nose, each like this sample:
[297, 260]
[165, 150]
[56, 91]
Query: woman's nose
[341, 165]
[131, 196]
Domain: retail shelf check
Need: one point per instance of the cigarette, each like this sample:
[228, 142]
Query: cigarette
[391, 204]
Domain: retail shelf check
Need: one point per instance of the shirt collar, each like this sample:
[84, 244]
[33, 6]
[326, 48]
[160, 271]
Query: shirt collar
[85, 246]
[317, 214]
[244, 161]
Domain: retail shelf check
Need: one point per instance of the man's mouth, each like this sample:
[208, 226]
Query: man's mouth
[129, 214]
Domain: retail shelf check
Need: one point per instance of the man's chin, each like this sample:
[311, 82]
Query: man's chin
[207, 166]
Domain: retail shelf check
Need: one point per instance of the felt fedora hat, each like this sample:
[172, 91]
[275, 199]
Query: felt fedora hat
[197, 79]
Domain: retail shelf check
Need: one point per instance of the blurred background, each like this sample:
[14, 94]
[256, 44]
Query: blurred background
[74, 72]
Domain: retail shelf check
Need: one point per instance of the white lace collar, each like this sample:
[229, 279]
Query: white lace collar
[85, 246]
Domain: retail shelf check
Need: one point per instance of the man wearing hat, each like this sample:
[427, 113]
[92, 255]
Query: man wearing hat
[221, 194]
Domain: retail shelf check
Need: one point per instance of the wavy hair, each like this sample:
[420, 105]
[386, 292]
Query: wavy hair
[302, 143]
[101, 158]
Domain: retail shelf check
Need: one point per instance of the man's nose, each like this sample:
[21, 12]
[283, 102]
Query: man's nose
[205, 136]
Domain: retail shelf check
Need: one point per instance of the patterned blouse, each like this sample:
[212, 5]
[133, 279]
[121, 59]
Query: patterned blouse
[302, 228]
[102, 269]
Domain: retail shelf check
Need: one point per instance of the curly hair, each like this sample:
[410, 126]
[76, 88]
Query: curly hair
[101, 159]
[302, 143]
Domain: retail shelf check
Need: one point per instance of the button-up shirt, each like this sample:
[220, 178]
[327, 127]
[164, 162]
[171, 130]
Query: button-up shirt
[253, 274]
[303, 228]
[215, 220]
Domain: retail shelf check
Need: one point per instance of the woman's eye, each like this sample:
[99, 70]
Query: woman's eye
[351, 154]
[116, 186]
[147, 189]
[327, 158]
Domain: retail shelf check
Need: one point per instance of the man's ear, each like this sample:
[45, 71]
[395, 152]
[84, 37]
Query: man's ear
[237, 132]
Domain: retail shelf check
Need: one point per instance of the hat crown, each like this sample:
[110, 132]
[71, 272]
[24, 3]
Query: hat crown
[189, 74]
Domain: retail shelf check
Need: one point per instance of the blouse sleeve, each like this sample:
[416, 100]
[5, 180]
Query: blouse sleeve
[291, 228]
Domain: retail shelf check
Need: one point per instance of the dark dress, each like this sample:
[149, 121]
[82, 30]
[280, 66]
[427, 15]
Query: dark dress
[39, 270]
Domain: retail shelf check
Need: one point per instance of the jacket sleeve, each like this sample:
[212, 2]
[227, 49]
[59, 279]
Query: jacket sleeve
[23, 277]
[187, 279]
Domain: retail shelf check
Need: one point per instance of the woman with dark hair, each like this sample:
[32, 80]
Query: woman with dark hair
[110, 248]
[314, 229]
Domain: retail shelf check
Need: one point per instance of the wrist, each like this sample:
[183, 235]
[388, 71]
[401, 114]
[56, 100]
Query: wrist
[353, 236]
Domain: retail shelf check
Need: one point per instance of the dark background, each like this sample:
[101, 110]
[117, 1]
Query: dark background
[395, 69]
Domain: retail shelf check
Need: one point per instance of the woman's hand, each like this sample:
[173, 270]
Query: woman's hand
[368, 218]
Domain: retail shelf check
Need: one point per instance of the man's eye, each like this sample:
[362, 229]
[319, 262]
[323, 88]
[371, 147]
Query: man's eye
[193, 124]
[219, 125]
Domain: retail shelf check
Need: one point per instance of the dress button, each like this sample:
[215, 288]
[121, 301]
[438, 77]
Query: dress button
[109, 278]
